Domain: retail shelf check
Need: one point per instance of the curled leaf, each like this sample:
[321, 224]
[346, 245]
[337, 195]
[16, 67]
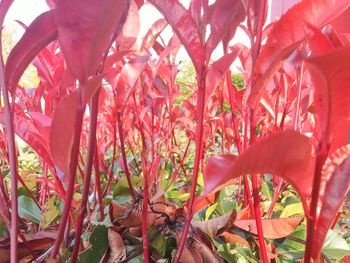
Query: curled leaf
[116, 244]
[41, 32]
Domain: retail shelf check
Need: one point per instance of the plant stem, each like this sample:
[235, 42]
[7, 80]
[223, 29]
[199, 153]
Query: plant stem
[258, 219]
[275, 198]
[98, 186]
[87, 179]
[13, 166]
[79, 114]
[122, 148]
[199, 142]
[299, 84]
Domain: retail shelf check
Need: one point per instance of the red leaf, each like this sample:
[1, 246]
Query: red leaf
[330, 74]
[287, 34]
[227, 15]
[36, 137]
[287, 154]
[38, 35]
[128, 77]
[272, 228]
[153, 33]
[337, 171]
[86, 29]
[217, 71]
[185, 28]
[4, 7]
[63, 123]
[131, 28]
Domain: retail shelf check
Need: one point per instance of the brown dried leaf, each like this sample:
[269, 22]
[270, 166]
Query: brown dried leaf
[216, 225]
[272, 228]
[116, 244]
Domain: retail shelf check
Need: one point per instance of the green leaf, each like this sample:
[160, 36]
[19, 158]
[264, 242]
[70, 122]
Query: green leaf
[292, 210]
[159, 244]
[177, 195]
[51, 212]
[122, 187]
[335, 246]
[266, 189]
[290, 250]
[27, 208]
[99, 244]
[210, 210]
[234, 253]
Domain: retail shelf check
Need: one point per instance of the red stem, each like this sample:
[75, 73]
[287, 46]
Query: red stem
[276, 194]
[79, 114]
[13, 166]
[258, 219]
[122, 148]
[110, 172]
[299, 84]
[144, 218]
[98, 186]
[87, 179]
[198, 154]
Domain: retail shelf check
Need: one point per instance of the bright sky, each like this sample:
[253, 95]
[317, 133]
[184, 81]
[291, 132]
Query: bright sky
[27, 10]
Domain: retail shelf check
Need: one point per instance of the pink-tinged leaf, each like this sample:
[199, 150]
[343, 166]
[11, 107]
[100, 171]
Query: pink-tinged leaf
[340, 24]
[33, 135]
[86, 29]
[51, 4]
[131, 28]
[272, 228]
[227, 15]
[63, 123]
[185, 28]
[128, 77]
[196, 10]
[4, 7]
[38, 35]
[287, 34]
[217, 71]
[287, 154]
[337, 181]
[152, 34]
[331, 77]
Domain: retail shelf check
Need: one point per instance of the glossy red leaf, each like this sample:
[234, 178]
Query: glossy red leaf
[287, 154]
[63, 123]
[331, 77]
[227, 15]
[288, 32]
[38, 35]
[273, 228]
[337, 182]
[86, 29]
[185, 28]
[217, 71]
[35, 137]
